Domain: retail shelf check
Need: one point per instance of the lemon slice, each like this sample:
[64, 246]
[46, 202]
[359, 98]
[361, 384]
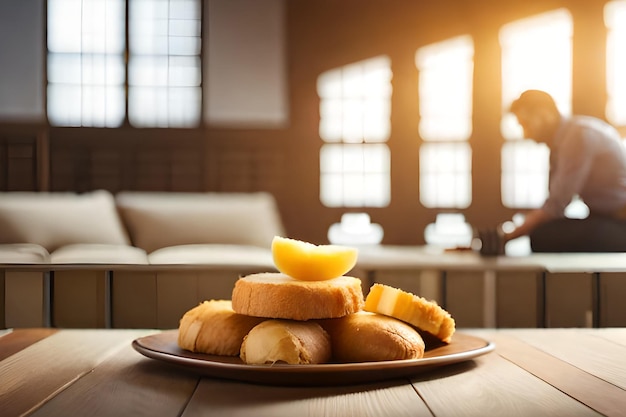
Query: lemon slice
[308, 262]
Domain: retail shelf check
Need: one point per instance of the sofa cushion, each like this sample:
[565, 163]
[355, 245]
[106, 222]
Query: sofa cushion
[23, 253]
[157, 220]
[98, 253]
[215, 255]
[55, 219]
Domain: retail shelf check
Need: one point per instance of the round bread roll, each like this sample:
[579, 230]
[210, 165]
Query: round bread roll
[412, 309]
[370, 337]
[214, 328]
[276, 295]
[288, 341]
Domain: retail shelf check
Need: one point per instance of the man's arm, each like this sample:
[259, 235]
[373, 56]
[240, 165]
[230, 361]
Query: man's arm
[533, 219]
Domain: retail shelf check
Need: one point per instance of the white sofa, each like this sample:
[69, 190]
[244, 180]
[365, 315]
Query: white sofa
[134, 259]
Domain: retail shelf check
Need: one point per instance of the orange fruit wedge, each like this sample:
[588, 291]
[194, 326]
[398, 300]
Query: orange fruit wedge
[308, 262]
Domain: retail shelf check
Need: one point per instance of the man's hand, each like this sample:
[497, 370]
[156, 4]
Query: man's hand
[492, 241]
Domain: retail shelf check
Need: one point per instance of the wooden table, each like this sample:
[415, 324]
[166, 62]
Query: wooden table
[531, 372]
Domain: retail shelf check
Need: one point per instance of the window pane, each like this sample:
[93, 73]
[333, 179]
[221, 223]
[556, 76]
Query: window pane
[445, 175]
[329, 84]
[355, 111]
[86, 62]
[356, 101]
[524, 174]
[445, 89]
[95, 26]
[615, 18]
[86, 105]
[355, 175]
[164, 63]
[445, 100]
[164, 106]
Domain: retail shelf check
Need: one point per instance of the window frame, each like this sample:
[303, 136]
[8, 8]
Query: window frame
[126, 119]
[346, 95]
[453, 57]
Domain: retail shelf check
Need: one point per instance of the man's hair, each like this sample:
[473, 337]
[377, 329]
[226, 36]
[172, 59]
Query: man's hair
[533, 99]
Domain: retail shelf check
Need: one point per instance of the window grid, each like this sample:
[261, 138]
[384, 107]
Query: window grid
[164, 63]
[523, 170]
[536, 54]
[445, 89]
[445, 180]
[355, 110]
[87, 69]
[86, 62]
[445, 99]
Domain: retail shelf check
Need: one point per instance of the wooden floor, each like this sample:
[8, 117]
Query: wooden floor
[531, 372]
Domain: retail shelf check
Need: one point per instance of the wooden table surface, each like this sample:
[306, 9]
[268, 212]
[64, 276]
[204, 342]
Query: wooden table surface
[531, 372]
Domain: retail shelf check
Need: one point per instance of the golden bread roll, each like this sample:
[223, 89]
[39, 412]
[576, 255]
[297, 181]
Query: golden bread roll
[213, 327]
[417, 311]
[276, 295]
[369, 337]
[288, 341]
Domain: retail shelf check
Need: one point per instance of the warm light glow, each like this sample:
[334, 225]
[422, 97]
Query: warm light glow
[355, 229]
[536, 54]
[445, 89]
[615, 19]
[445, 102]
[445, 180]
[355, 102]
[355, 175]
[524, 171]
[355, 112]
[450, 230]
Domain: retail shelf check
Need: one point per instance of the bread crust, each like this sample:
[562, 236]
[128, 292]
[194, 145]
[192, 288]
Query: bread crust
[370, 337]
[214, 328]
[287, 341]
[277, 295]
[426, 315]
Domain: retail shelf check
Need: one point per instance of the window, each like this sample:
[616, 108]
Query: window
[86, 43]
[87, 79]
[445, 99]
[615, 19]
[355, 109]
[536, 54]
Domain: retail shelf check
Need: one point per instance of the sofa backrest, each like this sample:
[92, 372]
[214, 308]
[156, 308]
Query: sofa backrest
[55, 219]
[156, 220]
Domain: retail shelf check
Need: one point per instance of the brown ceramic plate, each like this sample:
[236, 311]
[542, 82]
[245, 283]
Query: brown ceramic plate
[163, 346]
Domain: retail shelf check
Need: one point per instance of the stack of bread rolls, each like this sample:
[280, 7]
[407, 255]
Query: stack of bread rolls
[310, 312]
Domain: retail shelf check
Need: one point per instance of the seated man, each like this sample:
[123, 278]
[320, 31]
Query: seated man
[587, 159]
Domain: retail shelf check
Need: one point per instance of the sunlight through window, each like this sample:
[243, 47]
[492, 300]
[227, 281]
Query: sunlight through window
[355, 109]
[524, 170]
[536, 54]
[615, 19]
[445, 89]
[445, 100]
[445, 180]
